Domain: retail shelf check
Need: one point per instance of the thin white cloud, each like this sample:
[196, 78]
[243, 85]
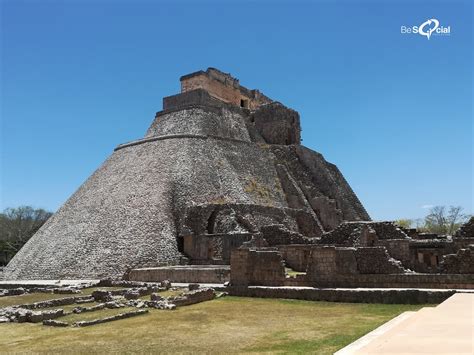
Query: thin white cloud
[427, 206]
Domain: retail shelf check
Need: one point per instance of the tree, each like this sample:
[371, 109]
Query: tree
[441, 220]
[404, 223]
[17, 225]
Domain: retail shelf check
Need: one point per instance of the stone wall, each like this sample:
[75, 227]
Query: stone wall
[256, 267]
[186, 274]
[460, 263]
[231, 218]
[277, 124]
[407, 296]
[221, 122]
[352, 233]
[322, 262]
[296, 256]
[193, 297]
[193, 97]
[278, 234]
[212, 248]
[438, 281]
[399, 249]
[223, 87]
[375, 260]
[333, 261]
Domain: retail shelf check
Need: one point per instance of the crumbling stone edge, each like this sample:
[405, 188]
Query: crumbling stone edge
[388, 296]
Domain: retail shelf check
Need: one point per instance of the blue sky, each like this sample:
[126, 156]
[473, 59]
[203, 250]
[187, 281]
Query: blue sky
[393, 111]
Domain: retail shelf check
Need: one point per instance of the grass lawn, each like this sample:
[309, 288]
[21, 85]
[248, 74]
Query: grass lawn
[225, 325]
[30, 298]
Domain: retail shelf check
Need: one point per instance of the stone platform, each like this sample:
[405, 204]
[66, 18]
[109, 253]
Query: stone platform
[445, 329]
[185, 273]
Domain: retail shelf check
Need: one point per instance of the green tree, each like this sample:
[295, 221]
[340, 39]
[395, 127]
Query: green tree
[404, 223]
[17, 225]
[442, 220]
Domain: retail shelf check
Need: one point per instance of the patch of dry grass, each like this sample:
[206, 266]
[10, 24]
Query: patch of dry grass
[103, 313]
[29, 298]
[226, 325]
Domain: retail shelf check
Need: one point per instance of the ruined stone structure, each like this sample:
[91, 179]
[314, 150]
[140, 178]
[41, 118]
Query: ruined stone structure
[218, 165]
[221, 179]
[358, 254]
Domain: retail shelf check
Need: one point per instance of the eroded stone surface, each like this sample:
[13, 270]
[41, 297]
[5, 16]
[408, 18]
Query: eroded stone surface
[207, 166]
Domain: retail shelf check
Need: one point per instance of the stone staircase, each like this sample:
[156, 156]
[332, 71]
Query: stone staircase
[445, 329]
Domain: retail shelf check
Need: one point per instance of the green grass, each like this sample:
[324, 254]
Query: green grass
[225, 325]
[29, 298]
[103, 313]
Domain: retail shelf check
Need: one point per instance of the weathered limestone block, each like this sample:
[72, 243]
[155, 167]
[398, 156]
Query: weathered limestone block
[192, 297]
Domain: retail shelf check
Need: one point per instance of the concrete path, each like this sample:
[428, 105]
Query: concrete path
[445, 329]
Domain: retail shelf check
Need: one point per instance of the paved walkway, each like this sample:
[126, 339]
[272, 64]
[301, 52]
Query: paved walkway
[445, 329]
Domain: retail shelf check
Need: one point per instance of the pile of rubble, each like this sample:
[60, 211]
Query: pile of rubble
[133, 296]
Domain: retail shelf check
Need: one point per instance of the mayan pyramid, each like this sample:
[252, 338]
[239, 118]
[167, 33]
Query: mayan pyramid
[219, 158]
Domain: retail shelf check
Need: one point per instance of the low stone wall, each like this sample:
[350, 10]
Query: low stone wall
[406, 296]
[438, 281]
[57, 302]
[185, 274]
[110, 319]
[21, 315]
[192, 297]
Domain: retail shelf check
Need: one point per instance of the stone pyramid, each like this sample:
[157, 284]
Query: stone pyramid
[219, 158]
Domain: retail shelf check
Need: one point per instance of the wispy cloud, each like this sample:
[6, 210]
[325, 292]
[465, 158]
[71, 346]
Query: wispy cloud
[427, 206]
